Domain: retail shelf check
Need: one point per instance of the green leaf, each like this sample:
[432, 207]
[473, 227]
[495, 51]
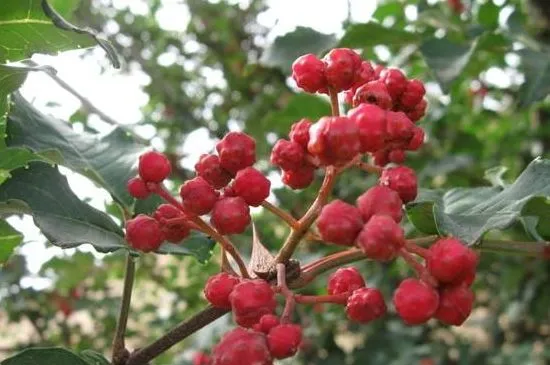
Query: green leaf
[536, 67]
[420, 211]
[65, 7]
[25, 29]
[44, 356]
[65, 220]
[12, 158]
[371, 34]
[446, 59]
[285, 49]
[109, 160]
[94, 358]
[10, 238]
[197, 244]
[468, 213]
[487, 15]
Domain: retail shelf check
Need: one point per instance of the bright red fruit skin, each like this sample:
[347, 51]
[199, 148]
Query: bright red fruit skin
[371, 124]
[339, 223]
[417, 139]
[218, 287]
[373, 92]
[396, 156]
[345, 280]
[300, 178]
[413, 94]
[230, 215]
[287, 155]
[419, 111]
[381, 238]
[266, 323]
[144, 233]
[399, 127]
[455, 304]
[172, 233]
[138, 188]
[154, 167]
[449, 260]
[237, 150]
[365, 305]
[198, 195]
[200, 358]
[334, 140]
[395, 80]
[283, 340]
[415, 301]
[309, 73]
[380, 200]
[210, 169]
[299, 132]
[341, 67]
[250, 300]
[403, 180]
[241, 346]
[251, 185]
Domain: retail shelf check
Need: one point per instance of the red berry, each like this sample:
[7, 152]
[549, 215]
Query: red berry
[283, 340]
[138, 188]
[211, 170]
[218, 287]
[470, 274]
[198, 195]
[287, 155]
[395, 80]
[365, 305]
[339, 223]
[456, 6]
[237, 150]
[300, 178]
[201, 358]
[341, 67]
[449, 260]
[381, 238]
[419, 111]
[309, 73]
[241, 346]
[399, 127]
[231, 215]
[382, 201]
[364, 74]
[154, 167]
[417, 139]
[415, 301]
[397, 156]
[144, 233]
[413, 94]
[378, 71]
[381, 157]
[299, 132]
[373, 92]
[334, 140]
[250, 300]
[266, 323]
[371, 124]
[345, 280]
[401, 179]
[455, 304]
[251, 185]
[172, 233]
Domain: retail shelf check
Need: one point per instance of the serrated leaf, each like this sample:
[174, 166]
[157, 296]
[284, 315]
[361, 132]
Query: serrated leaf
[44, 356]
[25, 29]
[65, 220]
[94, 358]
[447, 59]
[109, 160]
[536, 67]
[371, 34]
[495, 174]
[468, 213]
[286, 48]
[10, 238]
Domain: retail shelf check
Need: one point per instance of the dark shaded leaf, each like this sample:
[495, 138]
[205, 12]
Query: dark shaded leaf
[44, 356]
[12, 158]
[285, 49]
[371, 34]
[536, 66]
[197, 244]
[94, 358]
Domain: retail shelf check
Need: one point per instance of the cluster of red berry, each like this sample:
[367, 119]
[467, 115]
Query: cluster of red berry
[225, 187]
[381, 125]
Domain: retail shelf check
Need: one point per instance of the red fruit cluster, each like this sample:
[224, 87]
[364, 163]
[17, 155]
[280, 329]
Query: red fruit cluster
[363, 304]
[453, 266]
[201, 358]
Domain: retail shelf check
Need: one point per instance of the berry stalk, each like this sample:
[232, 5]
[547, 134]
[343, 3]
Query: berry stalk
[319, 299]
[290, 302]
[119, 347]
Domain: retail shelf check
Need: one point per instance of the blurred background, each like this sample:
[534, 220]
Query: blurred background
[195, 69]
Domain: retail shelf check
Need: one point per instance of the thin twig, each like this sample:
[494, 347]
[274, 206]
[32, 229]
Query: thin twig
[290, 303]
[284, 215]
[119, 346]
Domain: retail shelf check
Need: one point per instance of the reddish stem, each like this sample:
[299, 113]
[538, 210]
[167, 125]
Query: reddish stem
[316, 299]
[371, 169]
[290, 303]
[417, 250]
[421, 271]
